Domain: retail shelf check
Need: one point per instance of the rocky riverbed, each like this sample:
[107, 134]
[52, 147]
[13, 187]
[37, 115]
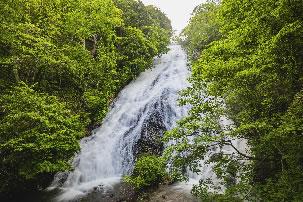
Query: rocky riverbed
[161, 193]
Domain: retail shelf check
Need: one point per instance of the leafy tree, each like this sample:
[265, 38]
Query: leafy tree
[134, 13]
[140, 39]
[201, 31]
[78, 54]
[136, 53]
[253, 76]
[159, 18]
[60, 60]
[38, 136]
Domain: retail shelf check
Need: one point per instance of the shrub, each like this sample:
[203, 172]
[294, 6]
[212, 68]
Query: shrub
[38, 136]
[148, 170]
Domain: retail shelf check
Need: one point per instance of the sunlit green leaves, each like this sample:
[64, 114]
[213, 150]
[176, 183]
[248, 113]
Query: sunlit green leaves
[256, 69]
[148, 170]
[38, 135]
[201, 31]
[78, 54]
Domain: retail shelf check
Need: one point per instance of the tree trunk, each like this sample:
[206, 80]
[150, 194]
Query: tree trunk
[93, 52]
[84, 44]
[16, 76]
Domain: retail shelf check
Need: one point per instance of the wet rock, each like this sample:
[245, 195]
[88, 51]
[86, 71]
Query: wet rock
[152, 131]
[166, 193]
[120, 192]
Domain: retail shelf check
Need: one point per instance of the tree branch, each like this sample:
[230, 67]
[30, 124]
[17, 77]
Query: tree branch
[246, 156]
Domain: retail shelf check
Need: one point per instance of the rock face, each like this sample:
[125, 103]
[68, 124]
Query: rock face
[151, 135]
[153, 127]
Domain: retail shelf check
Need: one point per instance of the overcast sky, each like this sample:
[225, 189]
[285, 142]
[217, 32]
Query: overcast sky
[178, 11]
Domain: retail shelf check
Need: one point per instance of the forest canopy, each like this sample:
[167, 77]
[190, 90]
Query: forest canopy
[247, 67]
[61, 64]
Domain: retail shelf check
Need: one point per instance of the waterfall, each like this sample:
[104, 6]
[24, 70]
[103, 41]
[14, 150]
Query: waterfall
[206, 169]
[109, 153]
[149, 103]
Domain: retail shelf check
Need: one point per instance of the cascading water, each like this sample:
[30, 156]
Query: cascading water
[149, 101]
[139, 115]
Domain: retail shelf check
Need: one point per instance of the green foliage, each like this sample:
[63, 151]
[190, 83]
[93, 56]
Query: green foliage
[134, 56]
[252, 75]
[134, 14]
[159, 18]
[38, 135]
[201, 31]
[158, 39]
[60, 60]
[77, 54]
[148, 170]
[142, 37]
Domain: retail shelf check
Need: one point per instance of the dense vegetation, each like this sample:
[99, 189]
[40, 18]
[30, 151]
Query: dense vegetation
[148, 170]
[247, 66]
[61, 64]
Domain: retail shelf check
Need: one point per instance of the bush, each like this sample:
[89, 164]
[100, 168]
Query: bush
[38, 136]
[149, 170]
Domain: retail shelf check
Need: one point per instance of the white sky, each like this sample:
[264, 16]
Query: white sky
[178, 11]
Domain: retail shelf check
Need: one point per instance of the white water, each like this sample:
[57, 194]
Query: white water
[206, 169]
[108, 154]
